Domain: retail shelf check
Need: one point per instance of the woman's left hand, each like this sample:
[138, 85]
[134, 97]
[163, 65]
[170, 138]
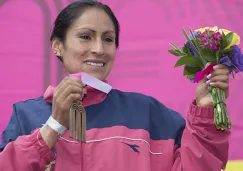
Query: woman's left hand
[218, 78]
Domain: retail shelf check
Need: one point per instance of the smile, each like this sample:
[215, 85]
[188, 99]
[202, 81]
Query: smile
[96, 64]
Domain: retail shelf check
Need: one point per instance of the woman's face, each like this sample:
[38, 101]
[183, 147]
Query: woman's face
[89, 45]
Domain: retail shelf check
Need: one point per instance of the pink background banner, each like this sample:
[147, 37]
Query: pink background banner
[143, 64]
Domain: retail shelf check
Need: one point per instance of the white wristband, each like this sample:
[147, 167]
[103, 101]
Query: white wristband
[53, 124]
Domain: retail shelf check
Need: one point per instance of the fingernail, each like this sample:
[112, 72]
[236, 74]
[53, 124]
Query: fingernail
[211, 83]
[215, 67]
[208, 81]
[209, 76]
[84, 90]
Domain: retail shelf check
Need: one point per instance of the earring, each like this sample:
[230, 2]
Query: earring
[56, 53]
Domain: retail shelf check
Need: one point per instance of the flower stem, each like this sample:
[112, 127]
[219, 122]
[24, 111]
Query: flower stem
[221, 117]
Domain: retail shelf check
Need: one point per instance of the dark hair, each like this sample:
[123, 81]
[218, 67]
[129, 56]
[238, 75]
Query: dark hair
[69, 14]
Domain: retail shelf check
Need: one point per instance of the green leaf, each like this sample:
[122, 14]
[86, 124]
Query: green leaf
[177, 52]
[208, 55]
[191, 70]
[222, 41]
[227, 40]
[223, 52]
[189, 61]
[186, 50]
[223, 35]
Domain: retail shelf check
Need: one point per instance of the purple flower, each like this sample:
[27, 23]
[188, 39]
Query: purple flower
[188, 45]
[204, 37]
[217, 36]
[205, 44]
[225, 60]
[236, 60]
[210, 39]
[214, 46]
[196, 33]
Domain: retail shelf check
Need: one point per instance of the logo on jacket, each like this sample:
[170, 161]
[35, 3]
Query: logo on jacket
[133, 146]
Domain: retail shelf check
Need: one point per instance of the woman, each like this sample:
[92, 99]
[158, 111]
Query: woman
[125, 131]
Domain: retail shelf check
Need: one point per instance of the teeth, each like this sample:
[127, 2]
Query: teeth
[95, 64]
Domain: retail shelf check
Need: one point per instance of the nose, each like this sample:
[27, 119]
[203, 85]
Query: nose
[98, 48]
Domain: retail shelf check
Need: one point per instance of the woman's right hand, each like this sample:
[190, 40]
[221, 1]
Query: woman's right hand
[69, 90]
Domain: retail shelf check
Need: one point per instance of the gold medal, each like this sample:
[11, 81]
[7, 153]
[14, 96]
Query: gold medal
[77, 121]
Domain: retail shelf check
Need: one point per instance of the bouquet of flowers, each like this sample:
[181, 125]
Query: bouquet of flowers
[204, 48]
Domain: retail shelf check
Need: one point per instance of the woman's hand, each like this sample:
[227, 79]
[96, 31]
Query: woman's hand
[218, 78]
[69, 90]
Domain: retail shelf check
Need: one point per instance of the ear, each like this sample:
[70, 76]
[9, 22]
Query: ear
[57, 47]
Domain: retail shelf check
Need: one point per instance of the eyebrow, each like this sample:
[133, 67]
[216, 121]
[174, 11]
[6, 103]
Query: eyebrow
[105, 32]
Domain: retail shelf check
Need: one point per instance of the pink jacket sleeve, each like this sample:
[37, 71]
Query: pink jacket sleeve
[203, 147]
[27, 153]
